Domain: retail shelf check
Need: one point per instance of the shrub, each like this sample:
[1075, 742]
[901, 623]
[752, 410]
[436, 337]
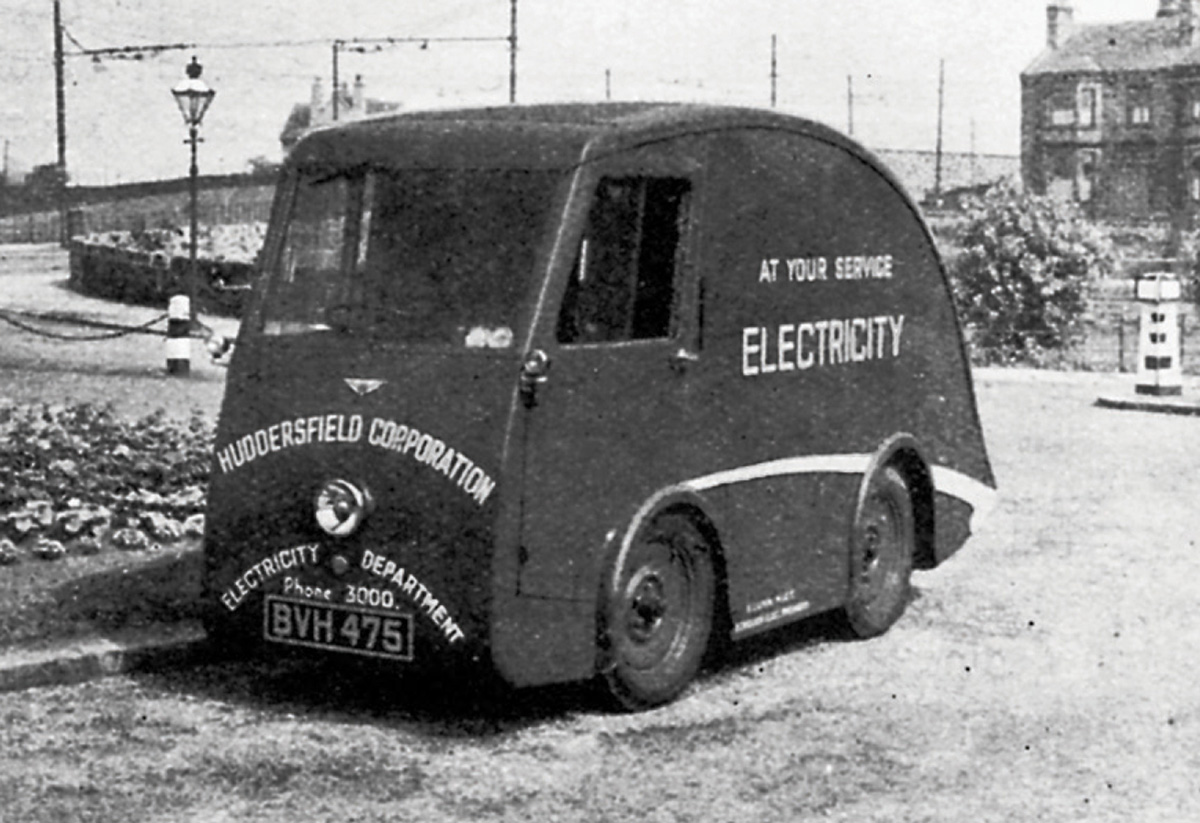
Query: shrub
[1190, 251]
[1020, 275]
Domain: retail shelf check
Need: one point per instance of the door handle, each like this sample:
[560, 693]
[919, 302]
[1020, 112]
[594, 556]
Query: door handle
[535, 368]
[682, 357]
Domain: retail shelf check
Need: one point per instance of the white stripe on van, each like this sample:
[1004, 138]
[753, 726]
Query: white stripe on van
[812, 464]
[980, 497]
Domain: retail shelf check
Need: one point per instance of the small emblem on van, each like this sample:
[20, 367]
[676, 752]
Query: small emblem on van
[361, 387]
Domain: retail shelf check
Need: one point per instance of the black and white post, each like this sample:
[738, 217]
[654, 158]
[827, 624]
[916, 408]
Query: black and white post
[193, 97]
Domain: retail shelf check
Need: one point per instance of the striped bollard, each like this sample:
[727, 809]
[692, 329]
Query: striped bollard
[179, 342]
[1159, 371]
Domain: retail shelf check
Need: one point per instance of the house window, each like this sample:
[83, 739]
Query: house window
[1062, 107]
[1089, 99]
[1139, 107]
[1085, 179]
[1062, 116]
[623, 283]
[1194, 178]
[1195, 110]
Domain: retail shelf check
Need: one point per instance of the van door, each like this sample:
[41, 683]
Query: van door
[600, 432]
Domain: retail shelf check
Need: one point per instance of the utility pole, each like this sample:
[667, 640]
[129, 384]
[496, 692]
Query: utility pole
[774, 72]
[60, 106]
[337, 44]
[850, 104]
[937, 172]
[512, 53]
[608, 84]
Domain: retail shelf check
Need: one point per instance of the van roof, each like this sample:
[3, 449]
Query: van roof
[543, 135]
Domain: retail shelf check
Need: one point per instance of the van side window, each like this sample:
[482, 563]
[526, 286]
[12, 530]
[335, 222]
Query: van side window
[623, 283]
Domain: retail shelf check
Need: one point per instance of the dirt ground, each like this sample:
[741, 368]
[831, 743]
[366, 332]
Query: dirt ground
[1044, 673]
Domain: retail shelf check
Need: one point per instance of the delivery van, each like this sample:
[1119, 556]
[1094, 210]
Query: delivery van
[567, 392]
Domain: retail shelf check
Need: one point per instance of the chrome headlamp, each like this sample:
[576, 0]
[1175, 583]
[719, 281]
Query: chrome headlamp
[341, 507]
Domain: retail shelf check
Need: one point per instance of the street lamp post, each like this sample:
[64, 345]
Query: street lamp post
[193, 97]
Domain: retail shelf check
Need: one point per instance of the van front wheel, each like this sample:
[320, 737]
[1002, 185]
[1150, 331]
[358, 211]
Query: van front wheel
[656, 613]
[882, 544]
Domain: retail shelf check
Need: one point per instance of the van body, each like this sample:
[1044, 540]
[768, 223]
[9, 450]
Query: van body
[579, 390]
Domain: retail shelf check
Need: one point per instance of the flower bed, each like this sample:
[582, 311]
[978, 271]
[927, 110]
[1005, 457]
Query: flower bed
[76, 480]
[147, 267]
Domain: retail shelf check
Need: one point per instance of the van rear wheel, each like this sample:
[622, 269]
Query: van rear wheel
[882, 544]
[656, 613]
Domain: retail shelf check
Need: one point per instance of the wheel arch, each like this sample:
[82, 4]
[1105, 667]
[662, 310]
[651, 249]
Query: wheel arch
[692, 504]
[903, 452]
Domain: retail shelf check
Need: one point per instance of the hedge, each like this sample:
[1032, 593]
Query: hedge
[147, 268]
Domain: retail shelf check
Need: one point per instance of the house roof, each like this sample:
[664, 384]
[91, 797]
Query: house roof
[1142, 45]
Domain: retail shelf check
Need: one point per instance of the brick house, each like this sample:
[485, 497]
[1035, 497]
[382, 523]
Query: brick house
[1110, 113]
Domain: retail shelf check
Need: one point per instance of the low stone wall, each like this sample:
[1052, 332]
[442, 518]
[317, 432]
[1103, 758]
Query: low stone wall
[151, 278]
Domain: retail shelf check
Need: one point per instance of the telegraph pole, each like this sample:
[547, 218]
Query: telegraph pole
[337, 44]
[512, 53]
[60, 106]
[937, 173]
[850, 104]
[774, 72]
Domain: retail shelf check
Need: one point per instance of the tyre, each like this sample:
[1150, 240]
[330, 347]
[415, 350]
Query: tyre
[882, 544]
[656, 613]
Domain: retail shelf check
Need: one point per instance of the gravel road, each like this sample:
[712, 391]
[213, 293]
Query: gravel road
[1044, 673]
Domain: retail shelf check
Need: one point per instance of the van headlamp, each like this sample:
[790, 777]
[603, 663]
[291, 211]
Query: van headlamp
[341, 507]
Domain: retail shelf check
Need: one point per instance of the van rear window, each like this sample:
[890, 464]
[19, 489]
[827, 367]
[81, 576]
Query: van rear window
[439, 256]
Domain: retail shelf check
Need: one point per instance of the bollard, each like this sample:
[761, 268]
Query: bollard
[1159, 371]
[179, 342]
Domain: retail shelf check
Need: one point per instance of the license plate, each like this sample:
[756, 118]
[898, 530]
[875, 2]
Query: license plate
[370, 632]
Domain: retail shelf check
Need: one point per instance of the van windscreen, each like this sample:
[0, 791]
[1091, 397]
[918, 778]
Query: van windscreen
[438, 256]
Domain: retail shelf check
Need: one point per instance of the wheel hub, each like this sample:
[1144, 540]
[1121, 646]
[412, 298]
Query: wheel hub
[646, 607]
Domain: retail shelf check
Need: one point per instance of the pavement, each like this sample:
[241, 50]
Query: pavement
[1162, 404]
[86, 658]
[33, 283]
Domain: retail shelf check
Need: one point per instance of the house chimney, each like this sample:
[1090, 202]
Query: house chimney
[1059, 19]
[358, 103]
[1187, 23]
[1168, 8]
[317, 102]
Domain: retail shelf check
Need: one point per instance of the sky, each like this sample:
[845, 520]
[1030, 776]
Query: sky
[262, 56]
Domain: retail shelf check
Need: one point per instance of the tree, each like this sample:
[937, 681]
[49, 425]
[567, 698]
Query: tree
[1019, 279]
[45, 184]
[262, 167]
